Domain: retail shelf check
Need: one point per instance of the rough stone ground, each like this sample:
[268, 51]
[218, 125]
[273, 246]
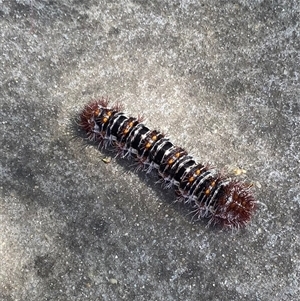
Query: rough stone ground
[220, 77]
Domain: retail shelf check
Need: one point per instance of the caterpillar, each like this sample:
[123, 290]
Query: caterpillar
[208, 193]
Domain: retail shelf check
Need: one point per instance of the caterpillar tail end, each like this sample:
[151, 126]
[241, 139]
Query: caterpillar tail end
[236, 205]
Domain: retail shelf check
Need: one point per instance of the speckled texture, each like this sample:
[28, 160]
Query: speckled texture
[221, 78]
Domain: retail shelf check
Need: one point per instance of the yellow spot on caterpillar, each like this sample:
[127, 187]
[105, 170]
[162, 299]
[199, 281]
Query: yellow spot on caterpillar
[128, 127]
[171, 161]
[191, 179]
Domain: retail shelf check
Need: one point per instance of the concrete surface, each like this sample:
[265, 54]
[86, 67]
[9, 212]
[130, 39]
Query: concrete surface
[220, 77]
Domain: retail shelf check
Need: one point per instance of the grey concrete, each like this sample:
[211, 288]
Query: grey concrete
[220, 77]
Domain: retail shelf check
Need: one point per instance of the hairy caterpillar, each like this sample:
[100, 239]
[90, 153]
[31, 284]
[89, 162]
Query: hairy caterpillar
[207, 192]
